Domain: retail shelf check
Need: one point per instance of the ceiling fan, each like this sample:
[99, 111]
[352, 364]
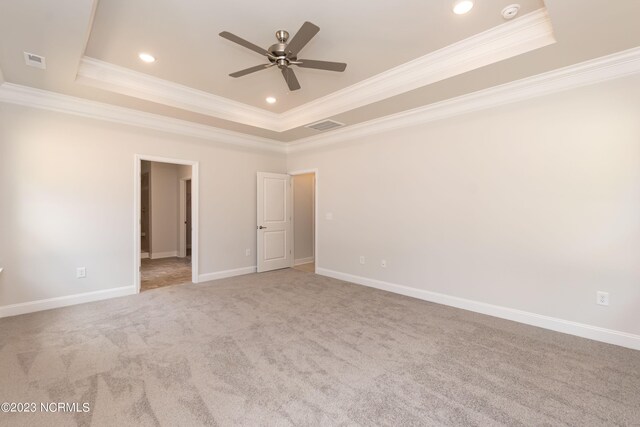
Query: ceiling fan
[284, 54]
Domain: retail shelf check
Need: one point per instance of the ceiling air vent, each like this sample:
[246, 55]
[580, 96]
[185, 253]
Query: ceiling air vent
[325, 125]
[34, 60]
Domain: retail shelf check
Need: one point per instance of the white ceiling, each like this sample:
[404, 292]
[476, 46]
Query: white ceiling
[370, 36]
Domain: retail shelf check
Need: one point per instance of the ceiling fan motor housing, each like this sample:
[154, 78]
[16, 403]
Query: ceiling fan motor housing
[280, 56]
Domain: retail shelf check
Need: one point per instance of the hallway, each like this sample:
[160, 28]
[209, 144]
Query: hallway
[157, 273]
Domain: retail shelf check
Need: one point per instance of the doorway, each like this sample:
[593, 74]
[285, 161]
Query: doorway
[145, 220]
[185, 221]
[276, 239]
[304, 220]
[166, 222]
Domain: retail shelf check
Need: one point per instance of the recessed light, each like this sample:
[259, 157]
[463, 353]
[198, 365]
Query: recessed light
[461, 7]
[147, 57]
[271, 100]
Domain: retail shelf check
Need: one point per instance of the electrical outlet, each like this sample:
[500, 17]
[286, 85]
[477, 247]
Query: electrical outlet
[81, 273]
[383, 263]
[602, 298]
[361, 259]
[247, 252]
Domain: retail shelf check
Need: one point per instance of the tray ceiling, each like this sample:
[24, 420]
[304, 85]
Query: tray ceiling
[401, 55]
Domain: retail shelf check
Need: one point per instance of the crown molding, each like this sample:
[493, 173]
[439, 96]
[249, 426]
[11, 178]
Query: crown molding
[507, 40]
[598, 70]
[122, 80]
[42, 99]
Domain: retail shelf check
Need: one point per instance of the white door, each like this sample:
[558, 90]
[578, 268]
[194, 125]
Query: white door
[275, 236]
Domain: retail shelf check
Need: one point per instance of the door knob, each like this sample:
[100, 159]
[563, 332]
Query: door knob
[261, 227]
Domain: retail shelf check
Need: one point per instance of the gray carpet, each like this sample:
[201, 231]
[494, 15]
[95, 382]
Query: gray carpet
[292, 348]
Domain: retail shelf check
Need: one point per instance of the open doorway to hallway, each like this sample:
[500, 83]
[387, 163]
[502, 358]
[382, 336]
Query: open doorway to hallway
[304, 221]
[165, 224]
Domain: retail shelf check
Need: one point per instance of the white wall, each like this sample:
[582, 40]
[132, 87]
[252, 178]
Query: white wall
[66, 201]
[165, 189]
[533, 206]
[303, 206]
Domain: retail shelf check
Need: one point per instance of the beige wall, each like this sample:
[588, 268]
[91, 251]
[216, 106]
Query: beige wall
[532, 206]
[165, 187]
[66, 201]
[303, 205]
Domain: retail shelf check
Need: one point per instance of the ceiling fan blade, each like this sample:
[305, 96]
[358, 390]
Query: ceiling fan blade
[290, 78]
[302, 37]
[242, 42]
[321, 65]
[251, 70]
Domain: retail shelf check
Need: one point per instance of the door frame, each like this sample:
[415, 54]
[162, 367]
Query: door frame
[195, 196]
[182, 217]
[148, 213]
[316, 255]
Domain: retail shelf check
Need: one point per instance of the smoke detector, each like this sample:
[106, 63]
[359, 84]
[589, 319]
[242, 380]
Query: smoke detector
[510, 11]
[33, 60]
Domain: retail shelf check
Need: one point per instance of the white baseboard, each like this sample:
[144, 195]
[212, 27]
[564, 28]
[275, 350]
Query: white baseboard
[158, 255]
[144, 255]
[596, 333]
[303, 261]
[49, 303]
[226, 273]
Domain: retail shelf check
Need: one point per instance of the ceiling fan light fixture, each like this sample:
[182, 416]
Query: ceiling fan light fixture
[146, 57]
[270, 100]
[461, 7]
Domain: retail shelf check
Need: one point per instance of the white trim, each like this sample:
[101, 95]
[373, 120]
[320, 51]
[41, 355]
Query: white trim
[598, 70]
[316, 179]
[195, 208]
[122, 80]
[504, 41]
[159, 255]
[302, 261]
[144, 255]
[513, 38]
[47, 100]
[49, 303]
[596, 333]
[182, 218]
[227, 273]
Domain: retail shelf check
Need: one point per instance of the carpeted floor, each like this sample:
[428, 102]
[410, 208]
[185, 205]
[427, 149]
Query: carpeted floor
[157, 273]
[292, 348]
